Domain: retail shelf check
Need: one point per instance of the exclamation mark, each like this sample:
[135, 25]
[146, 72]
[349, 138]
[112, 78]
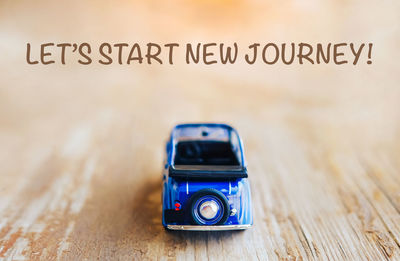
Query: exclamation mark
[369, 53]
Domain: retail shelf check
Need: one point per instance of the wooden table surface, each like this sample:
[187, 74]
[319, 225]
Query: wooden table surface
[82, 146]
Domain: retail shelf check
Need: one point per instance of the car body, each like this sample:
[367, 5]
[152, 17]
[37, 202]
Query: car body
[205, 181]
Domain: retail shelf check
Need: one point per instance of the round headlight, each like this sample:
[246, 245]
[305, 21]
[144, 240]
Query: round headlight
[209, 209]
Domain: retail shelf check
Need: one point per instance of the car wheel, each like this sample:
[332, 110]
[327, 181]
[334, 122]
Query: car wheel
[209, 207]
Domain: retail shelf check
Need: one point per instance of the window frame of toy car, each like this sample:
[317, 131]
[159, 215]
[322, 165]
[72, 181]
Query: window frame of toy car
[233, 138]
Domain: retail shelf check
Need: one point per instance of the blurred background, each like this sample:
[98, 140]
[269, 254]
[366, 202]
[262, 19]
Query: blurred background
[37, 101]
[42, 100]
[54, 119]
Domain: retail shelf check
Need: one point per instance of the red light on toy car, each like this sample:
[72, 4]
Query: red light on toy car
[177, 206]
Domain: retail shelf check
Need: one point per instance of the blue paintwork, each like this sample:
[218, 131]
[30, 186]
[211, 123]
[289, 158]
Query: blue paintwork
[237, 191]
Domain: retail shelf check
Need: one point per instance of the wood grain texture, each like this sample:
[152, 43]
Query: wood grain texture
[82, 146]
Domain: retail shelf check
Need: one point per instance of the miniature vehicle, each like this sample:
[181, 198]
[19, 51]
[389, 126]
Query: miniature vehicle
[205, 185]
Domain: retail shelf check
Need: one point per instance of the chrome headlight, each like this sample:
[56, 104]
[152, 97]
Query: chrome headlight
[209, 209]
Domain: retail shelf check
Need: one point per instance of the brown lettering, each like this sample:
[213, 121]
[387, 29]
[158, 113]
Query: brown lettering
[131, 57]
[28, 55]
[264, 56]
[189, 51]
[336, 54]
[320, 53]
[227, 57]
[154, 56]
[84, 55]
[356, 53]
[43, 54]
[291, 57]
[109, 59]
[120, 46]
[246, 57]
[208, 53]
[170, 47]
[302, 56]
[63, 46]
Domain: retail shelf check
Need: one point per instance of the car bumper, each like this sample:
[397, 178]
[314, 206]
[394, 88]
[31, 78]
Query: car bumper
[207, 228]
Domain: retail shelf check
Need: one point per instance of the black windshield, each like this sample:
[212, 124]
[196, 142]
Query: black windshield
[199, 152]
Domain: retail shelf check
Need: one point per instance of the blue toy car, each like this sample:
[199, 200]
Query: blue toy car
[205, 185]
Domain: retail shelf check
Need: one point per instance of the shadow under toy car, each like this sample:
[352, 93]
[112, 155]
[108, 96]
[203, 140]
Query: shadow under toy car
[205, 185]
